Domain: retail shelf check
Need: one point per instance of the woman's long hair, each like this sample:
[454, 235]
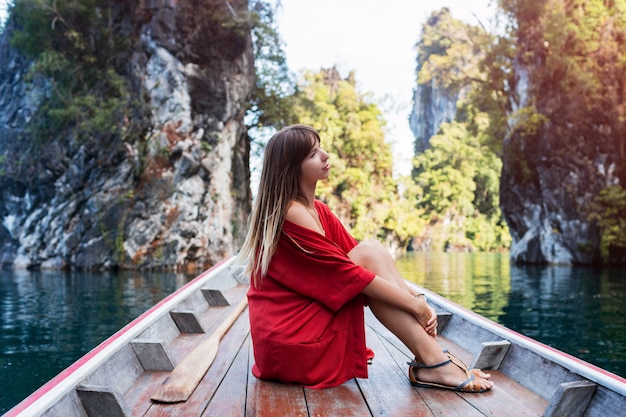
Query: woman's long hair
[279, 185]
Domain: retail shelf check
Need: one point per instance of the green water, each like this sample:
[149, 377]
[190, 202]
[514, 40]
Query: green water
[50, 319]
[581, 311]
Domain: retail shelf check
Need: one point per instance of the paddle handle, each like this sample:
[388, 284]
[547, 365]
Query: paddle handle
[185, 377]
[227, 324]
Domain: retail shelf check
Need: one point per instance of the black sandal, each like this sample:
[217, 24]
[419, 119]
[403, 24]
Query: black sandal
[469, 385]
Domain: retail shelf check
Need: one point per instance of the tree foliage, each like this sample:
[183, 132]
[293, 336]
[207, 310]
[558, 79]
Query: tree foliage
[458, 180]
[609, 210]
[80, 49]
[275, 83]
[458, 175]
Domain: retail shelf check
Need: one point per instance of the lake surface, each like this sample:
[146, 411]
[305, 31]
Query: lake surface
[50, 319]
[581, 311]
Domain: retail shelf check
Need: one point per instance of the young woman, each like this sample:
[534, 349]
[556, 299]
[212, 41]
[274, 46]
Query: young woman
[311, 280]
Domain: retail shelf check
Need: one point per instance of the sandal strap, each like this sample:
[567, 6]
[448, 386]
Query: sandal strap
[423, 365]
[454, 358]
[462, 386]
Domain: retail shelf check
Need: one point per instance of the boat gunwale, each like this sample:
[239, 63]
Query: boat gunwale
[48, 394]
[576, 365]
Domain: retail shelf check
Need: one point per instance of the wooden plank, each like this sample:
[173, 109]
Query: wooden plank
[186, 321]
[214, 297]
[506, 399]
[230, 397]
[120, 371]
[606, 402]
[571, 399]
[102, 402]
[184, 379]
[270, 399]
[387, 390]
[138, 396]
[490, 355]
[152, 354]
[443, 317]
[345, 400]
[506, 394]
[210, 320]
[532, 370]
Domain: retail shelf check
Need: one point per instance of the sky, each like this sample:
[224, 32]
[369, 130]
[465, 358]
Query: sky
[376, 39]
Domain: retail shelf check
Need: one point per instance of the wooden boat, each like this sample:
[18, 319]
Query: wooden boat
[120, 376]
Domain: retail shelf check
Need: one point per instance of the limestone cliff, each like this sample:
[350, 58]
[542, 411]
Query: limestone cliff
[177, 195]
[432, 106]
[550, 180]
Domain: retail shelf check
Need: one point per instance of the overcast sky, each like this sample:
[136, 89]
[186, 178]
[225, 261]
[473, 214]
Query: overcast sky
[376, 39]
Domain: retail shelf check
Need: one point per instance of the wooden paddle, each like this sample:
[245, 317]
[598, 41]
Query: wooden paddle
[183, 380]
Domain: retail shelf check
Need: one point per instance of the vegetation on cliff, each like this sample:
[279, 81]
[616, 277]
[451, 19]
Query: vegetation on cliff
[80, 51]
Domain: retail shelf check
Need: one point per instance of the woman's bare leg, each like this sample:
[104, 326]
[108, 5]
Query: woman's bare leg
[373, 256]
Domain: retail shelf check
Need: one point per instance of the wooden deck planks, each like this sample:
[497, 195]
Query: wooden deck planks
[230, 397]
[138, 397]
[387, 390]
[507, 398]
[270, 399]
[345, 400]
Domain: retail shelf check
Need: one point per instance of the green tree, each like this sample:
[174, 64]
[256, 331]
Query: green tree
[275, 86]
[458, 175]
[79, 48]
[458, 181]
[609, 210]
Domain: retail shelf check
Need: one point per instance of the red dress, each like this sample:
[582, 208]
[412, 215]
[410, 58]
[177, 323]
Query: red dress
[306, 319]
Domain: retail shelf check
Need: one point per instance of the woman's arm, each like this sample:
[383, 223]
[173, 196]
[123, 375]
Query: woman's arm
[387, 292]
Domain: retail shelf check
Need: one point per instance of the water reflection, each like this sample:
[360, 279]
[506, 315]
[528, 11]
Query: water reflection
[581, 311]
[50, 319]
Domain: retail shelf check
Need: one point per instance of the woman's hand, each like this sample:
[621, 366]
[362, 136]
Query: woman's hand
[427, 317]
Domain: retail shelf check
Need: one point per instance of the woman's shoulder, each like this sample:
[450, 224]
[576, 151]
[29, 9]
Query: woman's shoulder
[297, 213]
[294, 210]
[302, 215]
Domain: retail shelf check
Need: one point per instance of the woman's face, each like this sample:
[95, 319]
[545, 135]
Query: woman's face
[315, 166]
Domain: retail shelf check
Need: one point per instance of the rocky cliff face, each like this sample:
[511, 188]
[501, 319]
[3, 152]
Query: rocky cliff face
[177, 197]
[432, 106]
[549, 180]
